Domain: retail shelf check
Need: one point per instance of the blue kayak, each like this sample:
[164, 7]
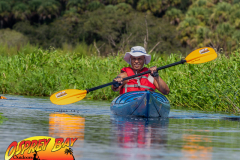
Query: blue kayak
[141, 103]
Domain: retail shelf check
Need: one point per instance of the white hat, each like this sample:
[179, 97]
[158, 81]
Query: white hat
[136, 52]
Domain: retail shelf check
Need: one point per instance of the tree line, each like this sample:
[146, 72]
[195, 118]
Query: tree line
[164, 26]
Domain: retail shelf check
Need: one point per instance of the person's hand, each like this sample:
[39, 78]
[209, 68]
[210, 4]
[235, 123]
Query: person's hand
[154, 71]
[119, 80]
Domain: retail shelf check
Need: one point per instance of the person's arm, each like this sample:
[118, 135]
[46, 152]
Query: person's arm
[158, 82]
[119, 79]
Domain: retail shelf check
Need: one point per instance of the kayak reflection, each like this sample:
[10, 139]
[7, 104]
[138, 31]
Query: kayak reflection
[132, 132]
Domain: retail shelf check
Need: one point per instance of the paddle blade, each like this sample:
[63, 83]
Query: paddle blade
[201, 55]
[68, 96]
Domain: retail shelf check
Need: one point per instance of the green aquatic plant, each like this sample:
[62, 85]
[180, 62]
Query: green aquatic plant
[2, 118]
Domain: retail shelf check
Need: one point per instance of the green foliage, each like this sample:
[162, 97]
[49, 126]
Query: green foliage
[114, 2]
[113, 28]
[21, 11]
[5, 8]
[48, 8]
[236, 1]
[92, 6]
[212, 86]
[199, 13]
[157, 7]
[124, 8]
[221, 13]
[71, 16]
[11, 41]
[114, 25]
[211, 23]
[174, 15]
[2, 118]
[79, 5]
[34, 5]
[55, 35]
[52, 23]
[236, 36]
[224, 29]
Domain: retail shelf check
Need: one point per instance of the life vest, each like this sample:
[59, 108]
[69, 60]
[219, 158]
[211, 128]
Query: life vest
[140, 83]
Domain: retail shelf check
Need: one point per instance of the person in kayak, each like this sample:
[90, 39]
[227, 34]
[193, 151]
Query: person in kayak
[137, 57]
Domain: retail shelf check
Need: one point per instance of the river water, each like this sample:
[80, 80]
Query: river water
[102, 136]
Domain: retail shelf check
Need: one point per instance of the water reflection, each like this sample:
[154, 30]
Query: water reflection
[67, 126]
[139, 133]
[64, 125]
[194, 147]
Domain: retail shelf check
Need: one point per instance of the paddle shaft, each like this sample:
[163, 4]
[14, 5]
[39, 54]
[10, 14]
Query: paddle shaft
[139, 74]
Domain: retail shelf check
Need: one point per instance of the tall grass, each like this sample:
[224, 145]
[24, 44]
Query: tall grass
[212, 86]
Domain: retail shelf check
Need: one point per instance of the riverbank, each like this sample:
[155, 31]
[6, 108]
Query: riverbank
[212, 86]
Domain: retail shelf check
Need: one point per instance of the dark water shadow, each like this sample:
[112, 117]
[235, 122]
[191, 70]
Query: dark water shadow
[232, 118]
[195, 114]
[9, 99]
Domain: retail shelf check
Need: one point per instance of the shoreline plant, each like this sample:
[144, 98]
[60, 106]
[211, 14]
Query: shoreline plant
[2, 118]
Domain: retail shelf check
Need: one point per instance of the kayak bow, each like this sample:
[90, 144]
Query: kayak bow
[142, 104]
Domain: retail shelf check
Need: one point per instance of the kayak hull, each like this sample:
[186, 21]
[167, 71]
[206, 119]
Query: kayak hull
[142, 104]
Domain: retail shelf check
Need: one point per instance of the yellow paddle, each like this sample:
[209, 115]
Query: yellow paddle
[69, 96]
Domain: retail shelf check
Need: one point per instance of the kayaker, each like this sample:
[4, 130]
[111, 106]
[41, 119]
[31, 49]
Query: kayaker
[137, 57]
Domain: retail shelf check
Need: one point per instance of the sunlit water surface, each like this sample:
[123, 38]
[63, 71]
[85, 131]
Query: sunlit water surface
[184, 135]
